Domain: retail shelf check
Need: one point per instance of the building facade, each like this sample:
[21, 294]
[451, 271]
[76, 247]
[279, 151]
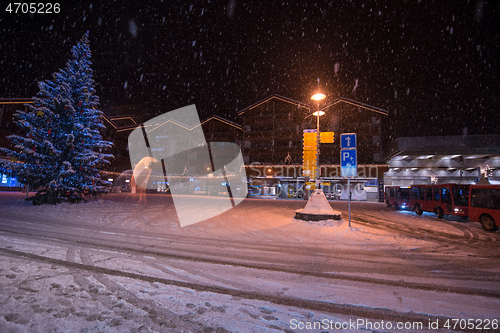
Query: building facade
[272, 146]
[270, 137]
[273, 130]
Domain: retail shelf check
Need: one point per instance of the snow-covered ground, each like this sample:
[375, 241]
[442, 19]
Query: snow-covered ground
[123, 264]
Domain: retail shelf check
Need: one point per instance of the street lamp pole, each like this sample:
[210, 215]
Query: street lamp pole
[318, 97]
[317, 139]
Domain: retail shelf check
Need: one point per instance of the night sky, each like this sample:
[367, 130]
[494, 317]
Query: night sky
[433, 64]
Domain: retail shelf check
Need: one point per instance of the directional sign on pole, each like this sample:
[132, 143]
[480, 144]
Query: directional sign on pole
[326, 137]
[348, 162]
[310, 153]
[348, 140]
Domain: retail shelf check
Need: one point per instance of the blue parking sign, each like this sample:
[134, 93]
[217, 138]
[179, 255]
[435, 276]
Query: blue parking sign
[348, 162]
[348, 140]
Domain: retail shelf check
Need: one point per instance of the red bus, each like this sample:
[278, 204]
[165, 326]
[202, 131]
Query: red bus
[484, 206]
[444, 199]
[396, 196]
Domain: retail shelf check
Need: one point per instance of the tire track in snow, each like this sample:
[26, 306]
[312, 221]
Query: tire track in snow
[473, 238]
[395, 283]
[159, 317]
[156, 313]
[104, 298]
[291, 270]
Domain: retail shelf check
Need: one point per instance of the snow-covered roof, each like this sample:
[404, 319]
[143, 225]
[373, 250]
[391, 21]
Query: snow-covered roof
[278, 97]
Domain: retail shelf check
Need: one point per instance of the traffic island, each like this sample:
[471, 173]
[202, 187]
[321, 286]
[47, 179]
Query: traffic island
[317, 209]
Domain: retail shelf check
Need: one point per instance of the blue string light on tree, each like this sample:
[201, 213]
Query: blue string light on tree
[61, 141]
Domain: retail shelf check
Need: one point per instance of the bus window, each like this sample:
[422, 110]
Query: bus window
[460, 196]
[422, 193]
[445, 195]
[496, 199]
[485, 198]
[415, 193]
[405, 194]
[428, 193]
[435, 193]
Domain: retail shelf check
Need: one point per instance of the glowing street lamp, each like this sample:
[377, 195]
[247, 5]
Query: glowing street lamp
[318, 97]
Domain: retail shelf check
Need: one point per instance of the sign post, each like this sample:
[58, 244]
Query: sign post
[348, 162]
[349, 189]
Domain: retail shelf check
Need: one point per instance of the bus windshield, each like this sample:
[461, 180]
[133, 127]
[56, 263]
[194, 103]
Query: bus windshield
[460, 195]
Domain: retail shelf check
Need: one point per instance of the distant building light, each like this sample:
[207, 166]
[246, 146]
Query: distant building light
[127, 181]
[110, 179]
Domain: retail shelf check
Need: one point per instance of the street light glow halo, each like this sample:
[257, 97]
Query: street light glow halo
[318, 97]
[318, 113]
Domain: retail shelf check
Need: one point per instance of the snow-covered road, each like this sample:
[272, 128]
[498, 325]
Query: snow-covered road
[117, 264]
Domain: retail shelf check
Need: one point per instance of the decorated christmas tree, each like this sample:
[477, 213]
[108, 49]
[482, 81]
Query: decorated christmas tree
[59, 151]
